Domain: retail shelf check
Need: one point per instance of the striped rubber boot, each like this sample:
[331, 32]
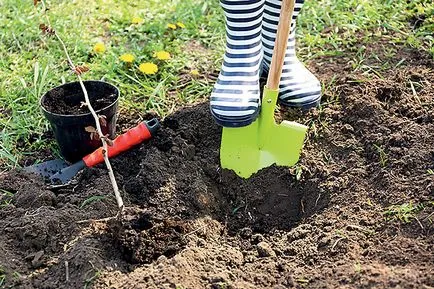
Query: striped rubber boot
[235, 100]
[298, 86]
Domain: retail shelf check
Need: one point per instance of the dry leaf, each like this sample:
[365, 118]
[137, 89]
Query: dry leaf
[35, 2]
[46, 29]
[102, 120]
[90, 129]
[80, 69]
[94, 136]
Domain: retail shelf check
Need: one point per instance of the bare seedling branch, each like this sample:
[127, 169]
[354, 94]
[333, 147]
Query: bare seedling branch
[79, 70]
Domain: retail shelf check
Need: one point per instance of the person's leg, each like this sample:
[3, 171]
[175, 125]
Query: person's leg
[298, 86]
[235, 99]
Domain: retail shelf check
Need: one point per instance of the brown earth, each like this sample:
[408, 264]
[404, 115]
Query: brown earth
[356, 212]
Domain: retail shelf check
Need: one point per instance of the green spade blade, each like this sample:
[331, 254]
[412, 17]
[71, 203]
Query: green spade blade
[249, 149]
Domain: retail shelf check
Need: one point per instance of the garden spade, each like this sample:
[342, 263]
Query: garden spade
[263, 143]
[58, 172]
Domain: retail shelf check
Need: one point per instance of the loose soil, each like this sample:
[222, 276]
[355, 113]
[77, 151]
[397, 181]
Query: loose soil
[68, 99]
[356, 212]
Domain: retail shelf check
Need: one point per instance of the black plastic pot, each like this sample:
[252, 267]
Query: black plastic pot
[74, 141]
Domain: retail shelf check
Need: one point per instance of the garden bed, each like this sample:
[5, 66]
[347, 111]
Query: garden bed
[356, 212]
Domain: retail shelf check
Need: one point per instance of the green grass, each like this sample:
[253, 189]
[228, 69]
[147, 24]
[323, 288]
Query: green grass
[92, 200]
[31, 63]
[404, 213]
[88, 282]
[382, 155]
[5, 198]
[2, 276]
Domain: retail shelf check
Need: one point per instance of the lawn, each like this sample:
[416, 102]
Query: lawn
[32, 63]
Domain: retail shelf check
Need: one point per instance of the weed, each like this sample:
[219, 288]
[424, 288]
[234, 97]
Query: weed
[430, 172]
[91, 200]
[382, 155]
[358, 268]
[2, 276]
[369, 202]
[16, 276]
[234, 211]
[404, 213]
[88, 282]
[303, 281]
[329, 90]
[5, 199]
[341, 234]
[298, 172]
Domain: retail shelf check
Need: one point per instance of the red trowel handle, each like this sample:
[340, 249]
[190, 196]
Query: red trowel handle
[124, 142]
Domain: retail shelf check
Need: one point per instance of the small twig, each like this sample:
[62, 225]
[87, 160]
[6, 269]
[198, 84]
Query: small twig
[415, 93]
[104, 220]
[420, 224]
[192, 232]
[362, 229]
[302, 207]
[429, 216]
[67, 270]
[337, 241]
[317, 200]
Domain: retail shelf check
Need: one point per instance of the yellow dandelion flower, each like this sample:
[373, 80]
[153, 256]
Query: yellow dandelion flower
[99, 47]
[180, 25]
[127, 57]
[162, 55]
[171, 26]
[148, 68]
[137, 20]
[194, 72]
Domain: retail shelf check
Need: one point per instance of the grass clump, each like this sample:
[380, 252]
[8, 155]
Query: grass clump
[5, 198]
[404, 213]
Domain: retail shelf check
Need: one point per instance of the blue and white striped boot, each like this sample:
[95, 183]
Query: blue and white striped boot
[298, 86]
[235, 100]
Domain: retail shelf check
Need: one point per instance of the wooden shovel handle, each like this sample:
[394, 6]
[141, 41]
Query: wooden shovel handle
[283, 30]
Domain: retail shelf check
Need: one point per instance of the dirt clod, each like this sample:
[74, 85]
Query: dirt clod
[265, 250]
